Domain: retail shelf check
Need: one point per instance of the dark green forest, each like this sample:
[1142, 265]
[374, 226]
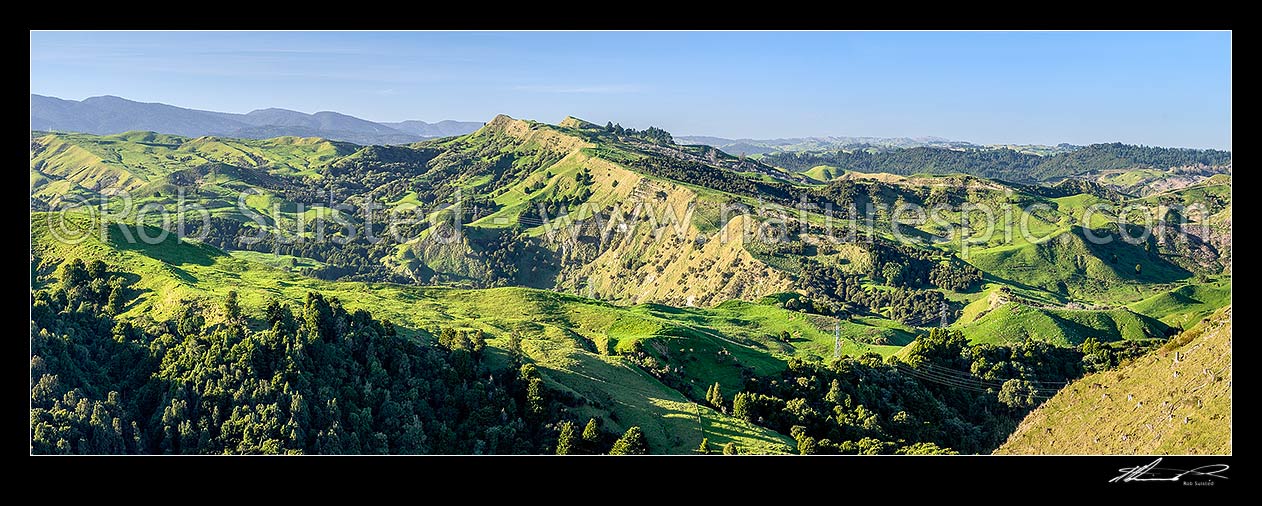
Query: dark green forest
[1004, 164]
[311, 379]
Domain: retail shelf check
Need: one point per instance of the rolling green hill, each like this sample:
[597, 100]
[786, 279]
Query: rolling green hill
[569, 337]
[1016, 322]
[672, 279]
[1070, 264]
[66, 162]
[645, 366]
[605, 184]
[822, 173]
[1187, 304]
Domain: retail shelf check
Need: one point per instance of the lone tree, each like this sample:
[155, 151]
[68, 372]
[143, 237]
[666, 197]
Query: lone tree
[631, 443]
[1017, 393]
[730, 449]
[567, 443]
[115, 304]
[807, 446]
[1139, 269]
[741, 408]
[231, 306]
[705, 446]
[536, 403]
[591, 433]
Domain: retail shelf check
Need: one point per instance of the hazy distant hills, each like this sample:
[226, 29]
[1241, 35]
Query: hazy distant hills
[111, 115]
[758, 146]
[444, 128]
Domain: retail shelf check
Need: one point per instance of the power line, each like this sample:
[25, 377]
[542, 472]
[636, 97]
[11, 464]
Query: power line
[972, 383]
[966, 386]
[836, 339]
[947, 370]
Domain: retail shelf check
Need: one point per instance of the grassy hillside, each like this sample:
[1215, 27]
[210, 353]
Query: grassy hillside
[569, 337]
[1143, 182]
[1069, 264]
[1174, 401]
[1015, 322]
[823, 173]
[68, 163]
[147, 155]
[598, 180]
[1188, 304]
[635, 317]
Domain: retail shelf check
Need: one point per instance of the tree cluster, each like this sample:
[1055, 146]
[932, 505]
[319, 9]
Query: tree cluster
[650, 134]
[314, 379]
[947, 397]
[829, 290]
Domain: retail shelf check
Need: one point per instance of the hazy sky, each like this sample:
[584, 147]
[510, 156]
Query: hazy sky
[1155, 88]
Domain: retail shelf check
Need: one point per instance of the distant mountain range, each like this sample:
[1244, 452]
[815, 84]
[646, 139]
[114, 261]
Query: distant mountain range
[112, 115]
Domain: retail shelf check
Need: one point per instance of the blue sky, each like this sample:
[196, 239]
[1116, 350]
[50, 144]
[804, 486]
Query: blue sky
[1154, 88]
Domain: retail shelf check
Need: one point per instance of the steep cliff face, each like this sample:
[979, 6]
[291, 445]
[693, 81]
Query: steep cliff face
[664, 256]
[530, 132]
[640, 239]
[610, 232]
